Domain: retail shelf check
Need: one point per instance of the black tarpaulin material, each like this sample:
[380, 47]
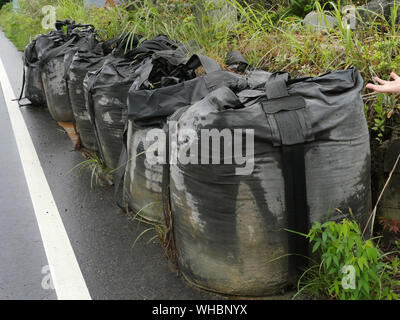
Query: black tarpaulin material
[84, 61]
[107, 89]
[211, 203]
[236, 61]
[149, 109]
[32, 83]
[81, 64]
[32, 79]
[54, 65]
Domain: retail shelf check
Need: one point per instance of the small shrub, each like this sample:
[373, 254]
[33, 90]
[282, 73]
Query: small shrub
[341, 244]
[3, 2]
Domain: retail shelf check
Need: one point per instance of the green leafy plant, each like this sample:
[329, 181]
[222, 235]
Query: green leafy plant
[3, 2]
[382, 108]
[339, 244]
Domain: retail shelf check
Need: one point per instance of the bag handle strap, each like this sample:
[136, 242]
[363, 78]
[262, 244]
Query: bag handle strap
[198, 60]
[54, 52]
[276, 86]
[284, 108]
[235, 60]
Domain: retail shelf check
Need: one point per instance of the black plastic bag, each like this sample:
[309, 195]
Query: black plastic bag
[32, 87]
[82, 63]
[54, 65]
[107, 89]
[149, 109]
[311, 155]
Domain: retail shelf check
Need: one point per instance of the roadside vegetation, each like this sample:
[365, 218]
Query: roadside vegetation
[271, 37]
[346, 266]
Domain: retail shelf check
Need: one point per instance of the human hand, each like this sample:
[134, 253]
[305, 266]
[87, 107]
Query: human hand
[386, 86]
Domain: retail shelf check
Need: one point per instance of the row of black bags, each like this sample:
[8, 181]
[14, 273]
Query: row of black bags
[311, 159]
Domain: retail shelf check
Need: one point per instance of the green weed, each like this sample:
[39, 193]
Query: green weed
[340, 244]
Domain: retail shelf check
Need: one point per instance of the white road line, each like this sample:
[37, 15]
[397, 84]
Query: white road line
[65, 272]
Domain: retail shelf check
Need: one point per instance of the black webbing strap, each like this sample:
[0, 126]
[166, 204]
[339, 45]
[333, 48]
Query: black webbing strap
[284, 108]
[21, 95]
[24, 65]
[296, 204]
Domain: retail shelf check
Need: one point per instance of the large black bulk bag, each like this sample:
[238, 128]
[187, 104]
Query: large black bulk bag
[82, 63]
[32, 79]
[149, 109]
[53, 67]
[34, 51]
[311, 155]
[107, 89]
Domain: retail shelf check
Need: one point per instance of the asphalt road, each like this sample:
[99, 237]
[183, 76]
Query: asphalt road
[101, 236]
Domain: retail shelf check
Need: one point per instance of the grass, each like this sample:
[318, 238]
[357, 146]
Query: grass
[158, 228]
[22, 26]
[99, 173]
[109, 22]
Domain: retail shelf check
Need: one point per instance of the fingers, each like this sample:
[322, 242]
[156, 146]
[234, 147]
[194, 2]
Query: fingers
[379, 80]
[375, 87]
[394, 76]
[386, 86]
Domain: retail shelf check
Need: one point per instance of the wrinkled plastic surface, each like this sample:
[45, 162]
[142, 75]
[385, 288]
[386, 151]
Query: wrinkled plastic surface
[34, 88]
[149, 109]
[82, 63]
[34, 91]
[107, 91]
[54, 65]
[142, 188]
[227, 227]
